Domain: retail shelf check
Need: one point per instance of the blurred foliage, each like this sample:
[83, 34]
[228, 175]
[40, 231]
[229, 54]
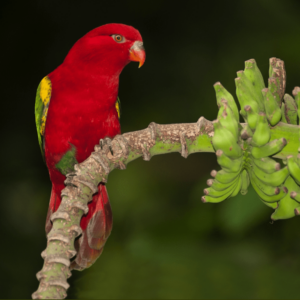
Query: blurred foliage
[165, 243]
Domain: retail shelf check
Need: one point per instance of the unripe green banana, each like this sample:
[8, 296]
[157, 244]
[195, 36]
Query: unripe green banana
[251, 91]
[262, 132]
[267, 164]
[225, 177]
[296, 94]
[228, 164]
[282, 79]
[254, 75]
[290, 109]
[238, 187]
[227, 119]
[283, 119]
[244, 96]
[231, 192]
[272, 108]
[218, 186]
[224, 140]
[296, 196]
[244, 182]
[246, 132]
[266, 198]
[273, 205]
[293, 168]
[252, 116]
[222, 93]
[210, 191]
[286, 206]
[274, 179]
[277, 71]
[269, 149]
[274, 88]
[265, 188]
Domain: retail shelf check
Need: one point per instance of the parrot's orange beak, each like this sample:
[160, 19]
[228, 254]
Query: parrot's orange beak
[137, 53]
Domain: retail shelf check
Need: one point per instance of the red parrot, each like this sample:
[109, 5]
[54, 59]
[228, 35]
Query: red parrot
[77, 105]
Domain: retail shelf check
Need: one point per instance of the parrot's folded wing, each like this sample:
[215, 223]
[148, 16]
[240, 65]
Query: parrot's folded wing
[42, 101]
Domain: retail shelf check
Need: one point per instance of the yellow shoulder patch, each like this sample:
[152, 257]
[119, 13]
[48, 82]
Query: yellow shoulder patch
[45, 94]
[45, 90]
[118, 108]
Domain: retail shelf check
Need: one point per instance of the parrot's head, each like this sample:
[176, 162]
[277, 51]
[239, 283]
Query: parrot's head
[109, 47]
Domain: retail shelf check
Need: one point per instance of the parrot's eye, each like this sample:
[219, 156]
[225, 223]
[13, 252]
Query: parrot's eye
[118, 38]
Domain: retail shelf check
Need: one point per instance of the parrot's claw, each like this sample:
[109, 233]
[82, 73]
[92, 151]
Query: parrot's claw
[106, 142]
[111, 150]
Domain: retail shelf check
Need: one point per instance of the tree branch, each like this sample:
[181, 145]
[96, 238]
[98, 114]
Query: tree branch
[82, 184]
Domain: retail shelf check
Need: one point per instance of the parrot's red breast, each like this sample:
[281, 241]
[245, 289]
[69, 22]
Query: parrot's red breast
[82, 109]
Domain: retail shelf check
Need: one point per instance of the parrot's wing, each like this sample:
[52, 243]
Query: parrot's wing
[42, 101]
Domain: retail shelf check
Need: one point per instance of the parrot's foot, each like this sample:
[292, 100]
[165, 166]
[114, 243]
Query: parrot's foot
[104, 142]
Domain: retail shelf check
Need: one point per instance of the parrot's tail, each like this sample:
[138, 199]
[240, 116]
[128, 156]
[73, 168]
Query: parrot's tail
[96, 226]
[53, 206]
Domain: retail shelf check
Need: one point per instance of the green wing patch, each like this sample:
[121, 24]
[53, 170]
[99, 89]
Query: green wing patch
[42, 101]
[67, 162]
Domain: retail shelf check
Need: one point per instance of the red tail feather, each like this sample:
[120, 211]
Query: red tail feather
[96, 226]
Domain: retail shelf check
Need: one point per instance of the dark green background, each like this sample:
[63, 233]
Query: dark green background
[165, 242]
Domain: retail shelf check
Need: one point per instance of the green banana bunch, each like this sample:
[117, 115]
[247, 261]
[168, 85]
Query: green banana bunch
[243, 151]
